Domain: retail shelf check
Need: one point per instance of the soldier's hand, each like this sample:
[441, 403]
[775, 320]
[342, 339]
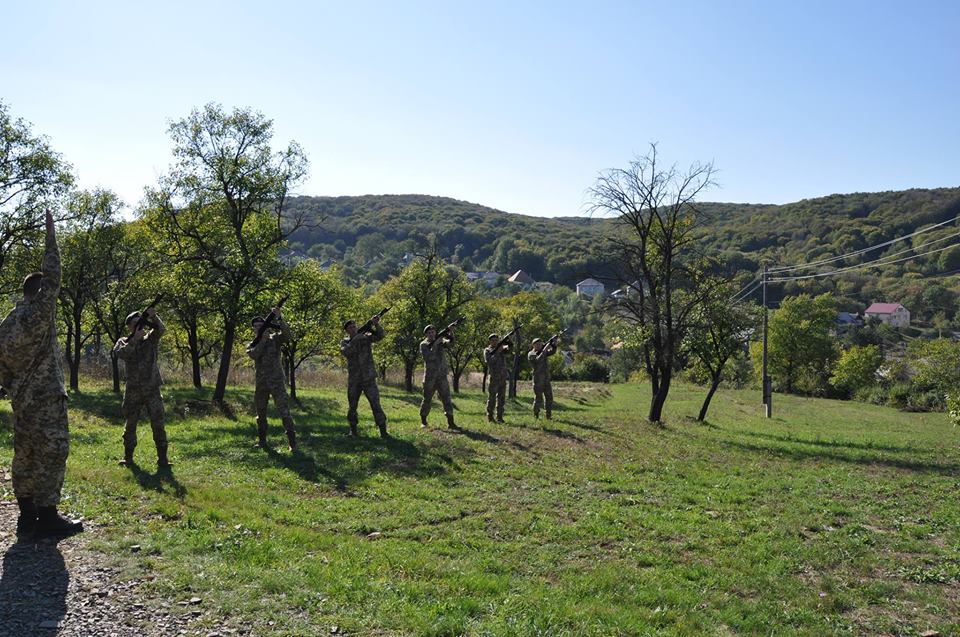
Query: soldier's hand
[151, 312]
[49, 222]
[276, 312]
[375, 320]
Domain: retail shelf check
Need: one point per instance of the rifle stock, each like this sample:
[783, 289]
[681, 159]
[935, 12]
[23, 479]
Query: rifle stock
[447, 330]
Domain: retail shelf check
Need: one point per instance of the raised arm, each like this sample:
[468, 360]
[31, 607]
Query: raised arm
[51, 261]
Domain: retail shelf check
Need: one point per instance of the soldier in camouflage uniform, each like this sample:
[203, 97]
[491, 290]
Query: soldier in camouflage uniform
[362, 374]
[30, 370]
[542, 389]
[494, 355]
[270, 378]
[435, 370]
[139, 352]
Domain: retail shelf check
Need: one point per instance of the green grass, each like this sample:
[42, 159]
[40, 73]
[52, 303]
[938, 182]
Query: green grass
[831, 518]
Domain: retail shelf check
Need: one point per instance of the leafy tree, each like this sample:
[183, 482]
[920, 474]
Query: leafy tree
[92, 236]
[316, 301]
[426, 291]
[800, 347]
[223, 205]
[936, 364]
[720, 332]
[482, 317]
[538, 319]
[856, 369]
[656, 257]
[32, 177]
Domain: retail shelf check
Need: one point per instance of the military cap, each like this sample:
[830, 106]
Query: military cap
[428, 328]
[493, 336]
[256, 319]
[132, 316]
[535, 341]
[347, 324]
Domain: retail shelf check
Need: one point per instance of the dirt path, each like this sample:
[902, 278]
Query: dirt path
[66, 589]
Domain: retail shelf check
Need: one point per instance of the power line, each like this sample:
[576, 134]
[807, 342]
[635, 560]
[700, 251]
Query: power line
[790, 268]
[870, 264]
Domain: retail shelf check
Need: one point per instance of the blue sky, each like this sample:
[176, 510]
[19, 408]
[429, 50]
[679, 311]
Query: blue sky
[515, 105]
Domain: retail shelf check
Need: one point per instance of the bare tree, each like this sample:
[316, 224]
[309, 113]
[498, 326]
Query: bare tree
[656, 258]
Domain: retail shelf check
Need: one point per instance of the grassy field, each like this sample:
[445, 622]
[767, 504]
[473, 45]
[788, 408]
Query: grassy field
[833, 518]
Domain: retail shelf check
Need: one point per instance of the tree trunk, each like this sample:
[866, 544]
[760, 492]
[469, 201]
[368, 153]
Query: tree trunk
[706, 401]
[456, 380]
[115, 370]
[660, 397]
[484, 384]
[293, 377]
[71, 363]
[408, 376]
[229, 335]
[77, 345]
[193, 341]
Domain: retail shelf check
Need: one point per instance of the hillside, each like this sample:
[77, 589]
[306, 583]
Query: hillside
[370, 234]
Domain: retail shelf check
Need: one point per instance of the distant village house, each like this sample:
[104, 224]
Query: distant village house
[522, 278]
[893, 314]
[589, 287]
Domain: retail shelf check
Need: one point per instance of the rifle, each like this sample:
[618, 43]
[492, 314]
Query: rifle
[553, 339]
[505, 340]
[267, 323]
[143, 321]
[366, 326]
[446, 331]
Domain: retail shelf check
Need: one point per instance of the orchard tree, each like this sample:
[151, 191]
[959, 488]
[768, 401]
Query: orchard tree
[482, 317]
[857, 368]
[721, 330]
[426, 291]
[801, 350]
[223, 206]
[538, 319]
[656, 211]
[33, 177]
[90, 238]
[317, 300]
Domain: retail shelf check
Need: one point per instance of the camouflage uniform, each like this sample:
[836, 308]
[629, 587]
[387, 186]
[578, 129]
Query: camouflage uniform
[142, 389]
[30, 370]
[271, 381]
[542, 389]
[495, 358]
[435, 370]
[362, 377]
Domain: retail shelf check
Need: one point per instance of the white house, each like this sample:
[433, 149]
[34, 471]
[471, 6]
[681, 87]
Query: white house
[589, 287]
[893, 314]
[523, 279]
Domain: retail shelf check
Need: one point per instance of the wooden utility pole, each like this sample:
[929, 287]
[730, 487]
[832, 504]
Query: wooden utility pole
[767, 384]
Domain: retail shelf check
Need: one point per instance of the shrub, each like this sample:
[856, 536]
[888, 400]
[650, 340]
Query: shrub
[589, 368]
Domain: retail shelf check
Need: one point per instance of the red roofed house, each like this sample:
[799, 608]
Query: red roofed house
[892, 314]
[522, 278]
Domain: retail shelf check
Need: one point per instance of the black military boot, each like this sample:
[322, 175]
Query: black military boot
[423, 422]
[261, 442]
[292, 440]
[450, 423]
[27, 522]
[52, 524]
[383, 430]
[162, 460]
[354, 432]
[127, 455]
[549, 415]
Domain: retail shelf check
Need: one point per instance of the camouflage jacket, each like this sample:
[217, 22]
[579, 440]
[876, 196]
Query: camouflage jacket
[434, 358]
[266, 355]
[541, 362]
[496, 360]
[29, 351]
[140, 356]
[359, 354]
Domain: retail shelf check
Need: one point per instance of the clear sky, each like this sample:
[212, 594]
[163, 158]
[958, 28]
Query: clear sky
[515, 105]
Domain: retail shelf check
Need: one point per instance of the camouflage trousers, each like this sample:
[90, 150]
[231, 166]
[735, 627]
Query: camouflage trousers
[261, 397]
[543, 397]
[438, 385]
[369, 388]
[41, 443]
[134, 402]
[496, 396]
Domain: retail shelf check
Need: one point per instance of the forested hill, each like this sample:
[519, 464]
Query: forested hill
[369, 235]
[375, 232]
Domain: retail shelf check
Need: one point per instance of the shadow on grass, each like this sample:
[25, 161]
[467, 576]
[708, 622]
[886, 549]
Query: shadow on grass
[161, 481]
[867, 460]
[482, 436]
[840, 444]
